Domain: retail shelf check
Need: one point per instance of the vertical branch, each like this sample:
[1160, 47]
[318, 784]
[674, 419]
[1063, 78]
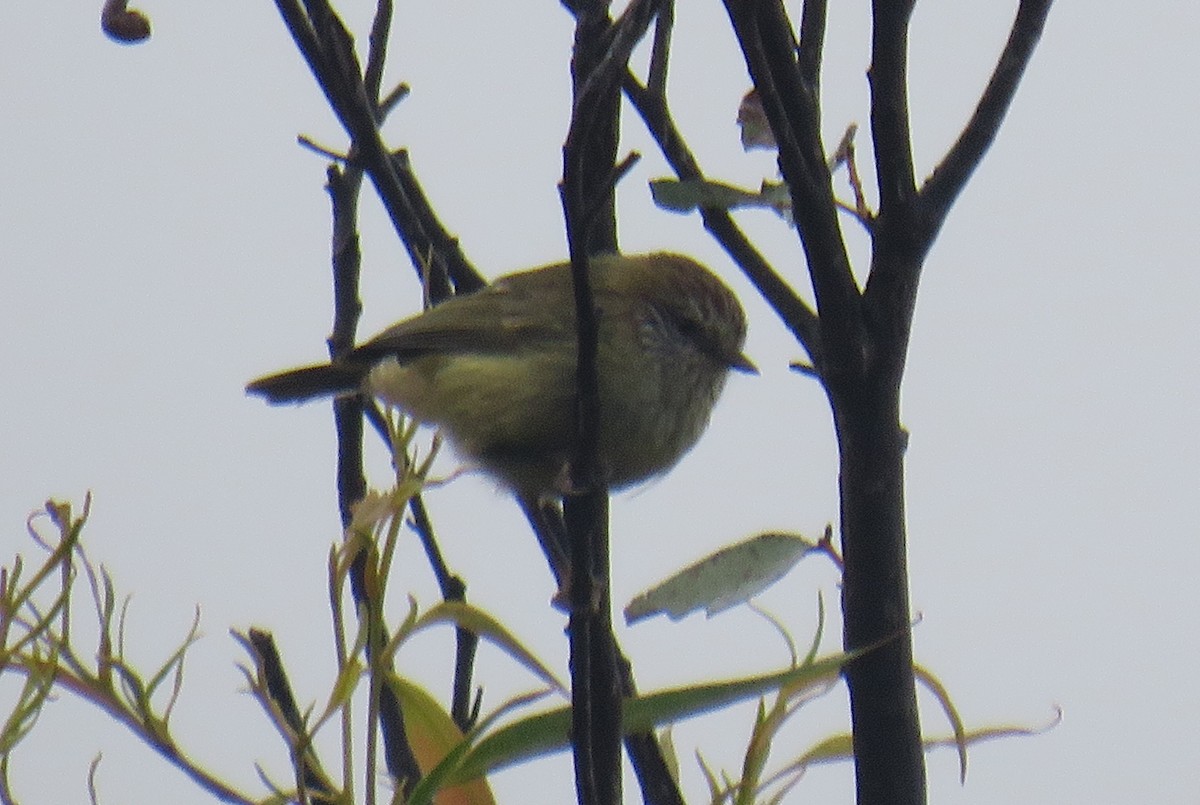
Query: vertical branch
[600, 59]
[889, 103]
[860, 372]
[660, 52]
[453, 588]
[590, 151]
[888, 759]
[812, 48]
[344, 186]
[354, 94]
[381, 27]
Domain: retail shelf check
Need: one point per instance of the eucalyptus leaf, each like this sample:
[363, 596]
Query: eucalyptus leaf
[731, 576]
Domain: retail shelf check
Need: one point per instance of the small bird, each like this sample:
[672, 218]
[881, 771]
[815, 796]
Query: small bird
[495, 369]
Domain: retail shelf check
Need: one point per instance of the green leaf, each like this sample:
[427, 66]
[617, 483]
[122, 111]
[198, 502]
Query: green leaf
[484, 625]
[432, 735]
[688, 194]
[723, 579]
[841, 746]
[548, 731]
[956, 723]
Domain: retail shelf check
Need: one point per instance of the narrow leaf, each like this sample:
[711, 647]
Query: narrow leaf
[549, 731]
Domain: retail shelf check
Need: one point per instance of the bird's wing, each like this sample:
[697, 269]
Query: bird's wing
[519, 311]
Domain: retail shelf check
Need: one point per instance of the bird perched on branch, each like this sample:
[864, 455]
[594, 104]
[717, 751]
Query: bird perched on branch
[495, 369]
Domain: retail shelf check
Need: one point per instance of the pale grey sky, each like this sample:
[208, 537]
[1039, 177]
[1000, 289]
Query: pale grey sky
[163, 240]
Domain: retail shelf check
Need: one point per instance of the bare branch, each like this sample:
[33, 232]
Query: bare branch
[656, 76]
[889, 103]
[793, 311]
[452, 588]
[378, 41]
[311, 778]
[601, 59]
[949, 178]
[812, 46]
[765, 35]
[328, 49]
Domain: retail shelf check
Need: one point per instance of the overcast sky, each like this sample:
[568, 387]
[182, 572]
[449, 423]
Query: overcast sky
[163, 240]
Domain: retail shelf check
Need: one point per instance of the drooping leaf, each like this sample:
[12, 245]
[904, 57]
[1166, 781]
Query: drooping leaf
[485, 626]
[752, 120]
[432, 734]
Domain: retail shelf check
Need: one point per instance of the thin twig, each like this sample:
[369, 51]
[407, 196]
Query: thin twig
[328, 49]
[381, 27]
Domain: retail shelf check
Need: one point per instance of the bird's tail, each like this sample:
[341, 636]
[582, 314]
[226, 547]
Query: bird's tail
[305, 383]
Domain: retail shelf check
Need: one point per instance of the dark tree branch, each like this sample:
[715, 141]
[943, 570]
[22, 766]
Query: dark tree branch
[381, 27]
[657, 783]
[949, 178]
[864, 342]
[600, 60]
[655, 778]
[326, 46]
[343, 187]
[656, 75]
[453, 588]
[593, 131]
[812, 48]
[889, 103]
[589, 153]
[328, 49]
[311, 778]
[765, 35]
[546, 521]
[463, 707]
[787, 304]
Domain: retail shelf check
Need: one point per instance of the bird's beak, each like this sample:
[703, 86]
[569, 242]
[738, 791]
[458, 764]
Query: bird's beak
[743, 364]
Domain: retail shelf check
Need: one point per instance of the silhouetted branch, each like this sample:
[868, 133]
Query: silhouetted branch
[453, 588]
[889, 103]
[328, 49]
[353, 95]
[344, 186]
[600, 60]
[311, 779]
[812, 49]
[664, 25]
[793, 311]
[765, 35]
[949, 178]
[381, 27]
